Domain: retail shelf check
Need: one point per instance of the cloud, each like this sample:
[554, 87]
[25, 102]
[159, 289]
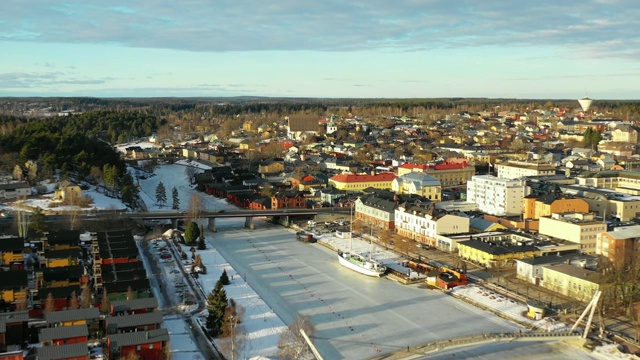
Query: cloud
[596, 27]
[39, 80]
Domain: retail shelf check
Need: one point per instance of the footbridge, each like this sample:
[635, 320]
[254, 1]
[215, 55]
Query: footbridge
[478, 339]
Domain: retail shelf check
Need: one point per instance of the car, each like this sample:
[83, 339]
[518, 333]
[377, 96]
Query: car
[419, 245]
[165, 256]
[221, 211]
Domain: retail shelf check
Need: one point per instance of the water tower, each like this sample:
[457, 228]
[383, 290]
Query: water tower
[585, 103]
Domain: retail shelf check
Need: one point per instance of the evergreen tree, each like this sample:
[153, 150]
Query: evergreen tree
[161, 194]
[37, 221]
[176, 199]
[224, 278]
[192, 233]
[216, 305]
[201, 244]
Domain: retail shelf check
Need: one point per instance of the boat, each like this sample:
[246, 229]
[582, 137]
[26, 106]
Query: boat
[356, 262]
[361, 264]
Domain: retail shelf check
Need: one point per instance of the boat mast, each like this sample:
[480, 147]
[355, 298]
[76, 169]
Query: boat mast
[350, 228]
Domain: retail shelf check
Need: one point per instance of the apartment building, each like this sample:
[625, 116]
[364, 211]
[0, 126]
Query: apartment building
[520, 169]
[496, 196]
[425, 224]
[579, 228]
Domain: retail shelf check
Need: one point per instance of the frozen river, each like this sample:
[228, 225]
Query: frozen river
[356, 317]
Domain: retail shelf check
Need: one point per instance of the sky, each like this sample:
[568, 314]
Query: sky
[330, 48]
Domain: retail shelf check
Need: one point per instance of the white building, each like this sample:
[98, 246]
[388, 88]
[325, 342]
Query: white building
[425, 224]
[496, 196]
[579, 228]
[520, 169]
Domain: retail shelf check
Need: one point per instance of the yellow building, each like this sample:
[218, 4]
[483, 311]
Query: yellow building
[72, 317]
[271, 167]
[419, 184]
[61, 258]
[535, 208]
[352, 182]
[11, 251]
[68, 192]
[14, 286]
[494, 254]
[448, 173]
[572, 281]
[249, 126]
[579, 228]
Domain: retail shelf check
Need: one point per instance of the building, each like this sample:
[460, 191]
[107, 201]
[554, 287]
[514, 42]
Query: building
[531, 269]
[579, 228]
[621, 245]
[552, 202]
[449, 173]
[288, 199]
[14, 190]
[76, 351]
[357, 183]
[300, 127]
[521, 169]
[147, 345]
[496, 196]
[13, 288]
[68, 192]
[424, 224]
[573, 281]
[494, 249]
[377, 211]
[419, 184]
[11, 253]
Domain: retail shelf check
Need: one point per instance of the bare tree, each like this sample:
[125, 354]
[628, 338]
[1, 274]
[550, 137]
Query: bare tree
[22, 223]
[189, 173]
[194, 211]
[73, 218]
[73, 302]
[292, 344]
[49, 305]
[85, 297]
[233, 327]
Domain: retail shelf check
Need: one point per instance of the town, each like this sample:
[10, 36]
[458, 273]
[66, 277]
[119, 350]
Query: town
[537, 202]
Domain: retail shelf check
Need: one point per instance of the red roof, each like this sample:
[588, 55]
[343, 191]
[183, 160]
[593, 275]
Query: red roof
[450, 165]
[346, 178]
[414, 166]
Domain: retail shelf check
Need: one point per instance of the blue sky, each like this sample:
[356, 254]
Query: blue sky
[312, 48]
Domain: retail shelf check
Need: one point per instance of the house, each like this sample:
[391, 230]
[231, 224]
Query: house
[260, 203]
[419, 184]
[133, 306]
[11, 253]
[271, 167]
[13, 329]
[573, 281]
[520, 169]
[288, 199]
[147, 345]
[13, 288]
[131, 323]
[72, 317]
[68, 192]
[77, 351]
[57, 336]
[14, 190]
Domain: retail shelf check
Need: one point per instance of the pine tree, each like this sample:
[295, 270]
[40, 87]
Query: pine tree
[176, 199]
[224, 278]
[217, 303]
[161, 194]
[192, 233]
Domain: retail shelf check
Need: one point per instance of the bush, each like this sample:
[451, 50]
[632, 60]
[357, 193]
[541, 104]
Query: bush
[224, 278]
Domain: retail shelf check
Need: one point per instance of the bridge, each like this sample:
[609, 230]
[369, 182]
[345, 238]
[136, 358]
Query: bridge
[484, 338]
[212, 215]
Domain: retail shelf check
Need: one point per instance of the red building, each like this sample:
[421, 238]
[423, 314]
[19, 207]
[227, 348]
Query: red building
[63, 335]
[288, 200]
[147, 345]
[78, 351]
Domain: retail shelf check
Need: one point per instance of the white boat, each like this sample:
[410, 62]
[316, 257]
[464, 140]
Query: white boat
[361, 264]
